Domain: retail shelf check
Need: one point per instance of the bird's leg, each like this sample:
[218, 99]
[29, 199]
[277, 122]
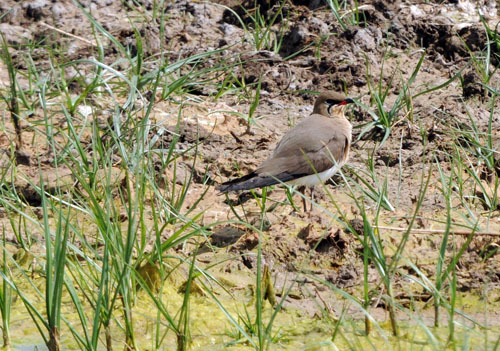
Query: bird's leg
[302, 190]
[312, 198]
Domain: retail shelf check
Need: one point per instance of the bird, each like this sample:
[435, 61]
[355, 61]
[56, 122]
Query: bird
[308, 154]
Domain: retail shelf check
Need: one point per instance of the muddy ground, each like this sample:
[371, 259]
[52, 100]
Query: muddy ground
[316, 54]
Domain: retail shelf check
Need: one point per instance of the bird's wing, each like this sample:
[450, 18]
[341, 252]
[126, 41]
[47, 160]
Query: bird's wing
[306, 149]
[309, 148]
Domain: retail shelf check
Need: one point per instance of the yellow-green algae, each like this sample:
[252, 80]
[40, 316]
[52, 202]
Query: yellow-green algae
[292, 329]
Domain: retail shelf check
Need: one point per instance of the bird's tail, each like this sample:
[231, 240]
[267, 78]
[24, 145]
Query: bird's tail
[250, 181]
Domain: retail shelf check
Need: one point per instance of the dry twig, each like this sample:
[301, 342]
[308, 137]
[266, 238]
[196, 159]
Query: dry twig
[438, 231]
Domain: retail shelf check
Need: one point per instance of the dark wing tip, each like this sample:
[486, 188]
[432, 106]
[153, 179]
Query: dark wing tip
[223, 188]
[253, 180]
[235, 184]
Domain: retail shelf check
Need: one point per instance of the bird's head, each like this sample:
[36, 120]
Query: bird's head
[331, 104]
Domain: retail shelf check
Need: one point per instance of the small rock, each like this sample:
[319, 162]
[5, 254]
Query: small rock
[365, 40]
[226, 236]
[358, 225]
[103, 3]
[194, 288]
[471, 85]
[23, 258]
[23, 157]
[150, 274]
[37, 9]
[59, 10]
[54, 181]
[246, 243]
[15, 35]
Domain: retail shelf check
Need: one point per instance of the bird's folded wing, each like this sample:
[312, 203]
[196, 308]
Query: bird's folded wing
[303, 156]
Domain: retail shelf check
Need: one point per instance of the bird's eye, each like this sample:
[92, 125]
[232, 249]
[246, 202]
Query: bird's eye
[330, 102]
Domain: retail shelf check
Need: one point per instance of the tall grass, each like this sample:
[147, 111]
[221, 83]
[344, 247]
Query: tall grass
[12, 98]
[105, 282]
[5, 295]
[259, 26]
[383, 119]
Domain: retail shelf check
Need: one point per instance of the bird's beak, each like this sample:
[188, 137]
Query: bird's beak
[346, 101]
